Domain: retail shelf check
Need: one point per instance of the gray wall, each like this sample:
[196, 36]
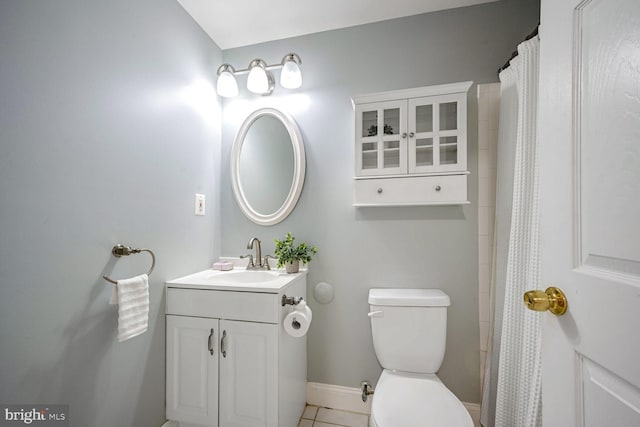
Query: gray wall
[102, 140]
[377, 247]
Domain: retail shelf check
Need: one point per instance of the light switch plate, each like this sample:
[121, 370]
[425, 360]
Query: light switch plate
[200, 200]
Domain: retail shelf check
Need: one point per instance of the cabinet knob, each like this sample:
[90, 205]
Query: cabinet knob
[379, 190]
[404, 135]
[438, 188]
[411, 134]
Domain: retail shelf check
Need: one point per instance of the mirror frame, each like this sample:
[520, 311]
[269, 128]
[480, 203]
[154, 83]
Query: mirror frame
[298, 168]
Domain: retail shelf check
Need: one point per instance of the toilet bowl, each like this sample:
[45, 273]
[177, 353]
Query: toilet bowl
[409, 328]
[415, 400]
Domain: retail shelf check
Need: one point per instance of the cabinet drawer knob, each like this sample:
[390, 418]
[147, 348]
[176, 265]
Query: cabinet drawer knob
[379, 190]
[438, 188]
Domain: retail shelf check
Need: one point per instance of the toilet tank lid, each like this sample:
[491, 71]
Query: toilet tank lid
[409, 297]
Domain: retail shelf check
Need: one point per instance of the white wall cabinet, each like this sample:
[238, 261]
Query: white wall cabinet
[229, 361]
[402, 137]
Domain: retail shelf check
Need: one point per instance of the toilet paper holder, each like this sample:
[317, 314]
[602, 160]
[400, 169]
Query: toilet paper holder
[290, 300]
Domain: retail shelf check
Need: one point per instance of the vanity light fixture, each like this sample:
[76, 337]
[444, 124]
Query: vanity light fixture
[291, 76]
[227, 85]
[260, 79]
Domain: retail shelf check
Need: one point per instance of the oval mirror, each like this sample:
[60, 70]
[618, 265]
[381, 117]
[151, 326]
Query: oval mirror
[267, 166]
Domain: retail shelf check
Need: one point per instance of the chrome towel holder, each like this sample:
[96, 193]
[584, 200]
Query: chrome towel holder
[123, 250]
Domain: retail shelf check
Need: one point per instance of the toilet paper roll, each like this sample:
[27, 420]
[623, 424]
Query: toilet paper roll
[297, 323]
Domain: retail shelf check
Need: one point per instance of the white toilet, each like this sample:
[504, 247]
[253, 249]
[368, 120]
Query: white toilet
[409, 328]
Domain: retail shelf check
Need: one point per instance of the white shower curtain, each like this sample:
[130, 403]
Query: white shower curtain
[513, 371]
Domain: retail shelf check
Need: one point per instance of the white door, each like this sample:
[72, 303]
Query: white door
[192, 370]
[248, 374]
[589, 135]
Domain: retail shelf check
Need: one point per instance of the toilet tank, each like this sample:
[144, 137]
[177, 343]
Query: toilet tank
[409, 328]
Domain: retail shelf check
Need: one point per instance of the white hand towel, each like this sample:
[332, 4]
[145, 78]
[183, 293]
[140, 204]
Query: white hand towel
[132, 297]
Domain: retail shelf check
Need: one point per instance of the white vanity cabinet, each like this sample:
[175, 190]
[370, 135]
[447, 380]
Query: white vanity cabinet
[192, 371]
[229, 361]
[411, 146]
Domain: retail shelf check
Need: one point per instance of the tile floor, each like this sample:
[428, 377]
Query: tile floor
[325, 417]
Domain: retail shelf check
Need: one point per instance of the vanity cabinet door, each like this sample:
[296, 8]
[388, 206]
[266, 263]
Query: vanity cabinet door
[381, 138]
[192, 370]
[248, 374]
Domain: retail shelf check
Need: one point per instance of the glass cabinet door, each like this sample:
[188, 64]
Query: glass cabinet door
[380, 145]
[421, 136]
[437, 126]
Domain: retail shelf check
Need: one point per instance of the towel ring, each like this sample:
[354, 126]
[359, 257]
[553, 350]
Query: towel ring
[122, 250]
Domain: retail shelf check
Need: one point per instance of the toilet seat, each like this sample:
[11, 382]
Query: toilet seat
[415, 400]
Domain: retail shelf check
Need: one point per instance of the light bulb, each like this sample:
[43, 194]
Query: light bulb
[258, 82]
[290, 77]
[227, 85]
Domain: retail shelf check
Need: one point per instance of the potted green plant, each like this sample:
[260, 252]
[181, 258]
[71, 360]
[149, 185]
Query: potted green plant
[290, 255]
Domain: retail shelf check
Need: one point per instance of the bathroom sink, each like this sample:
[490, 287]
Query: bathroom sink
[238, 279]
[242, 276]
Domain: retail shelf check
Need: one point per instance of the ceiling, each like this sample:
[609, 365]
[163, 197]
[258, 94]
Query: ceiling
[235, 23]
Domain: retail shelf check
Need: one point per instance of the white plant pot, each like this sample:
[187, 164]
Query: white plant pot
[292, 267]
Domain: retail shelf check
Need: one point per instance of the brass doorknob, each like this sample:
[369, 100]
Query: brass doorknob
[553, 299]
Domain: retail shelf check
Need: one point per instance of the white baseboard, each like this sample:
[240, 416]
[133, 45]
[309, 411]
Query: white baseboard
[337, 397]
[350, 399]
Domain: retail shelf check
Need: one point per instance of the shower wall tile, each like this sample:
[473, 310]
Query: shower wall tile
[483, 220]
[483, 159]
[483, 133]
[488, 122]
[484, 300]
[484, 246]
[485, 279]
[484, 335]
[484, 192]
[483, 360]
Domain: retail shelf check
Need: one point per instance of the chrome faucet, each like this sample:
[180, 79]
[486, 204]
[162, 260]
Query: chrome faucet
[258, 257]
[257, 262]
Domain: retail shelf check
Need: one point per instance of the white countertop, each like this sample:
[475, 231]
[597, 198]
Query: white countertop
[238, 279]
